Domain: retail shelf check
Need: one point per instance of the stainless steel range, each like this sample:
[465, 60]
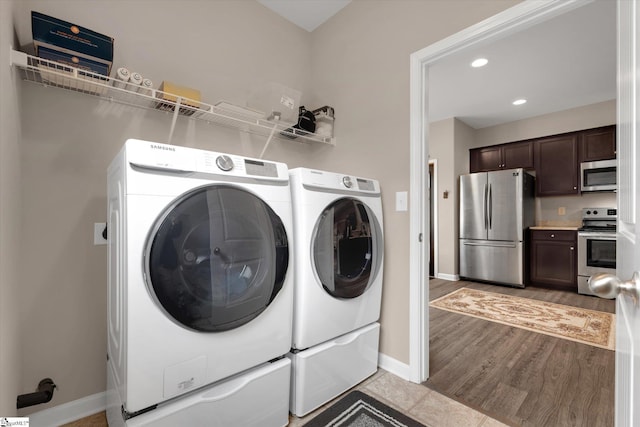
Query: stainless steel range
[596, 245]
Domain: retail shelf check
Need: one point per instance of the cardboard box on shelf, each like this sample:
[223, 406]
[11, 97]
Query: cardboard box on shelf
[70, 41]
[170, 92]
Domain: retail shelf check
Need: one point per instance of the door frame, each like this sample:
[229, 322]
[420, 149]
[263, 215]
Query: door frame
[512, 20]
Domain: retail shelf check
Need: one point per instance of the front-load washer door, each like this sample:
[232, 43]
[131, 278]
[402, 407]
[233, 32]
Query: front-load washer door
[347, 248]
[216, 258]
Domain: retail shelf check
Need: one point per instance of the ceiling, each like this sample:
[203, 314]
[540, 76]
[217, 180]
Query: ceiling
[565, 62]
[307, 14]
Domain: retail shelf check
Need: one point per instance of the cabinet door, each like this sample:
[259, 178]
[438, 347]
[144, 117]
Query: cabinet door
[554, 259]
[556, 160]
[598, 144]
[485, 159]
[517, 155]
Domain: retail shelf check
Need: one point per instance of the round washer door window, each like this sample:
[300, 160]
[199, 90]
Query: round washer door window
[217, 257]
[347, 248]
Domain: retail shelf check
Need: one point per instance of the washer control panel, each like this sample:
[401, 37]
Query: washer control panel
[185, 160]
[346, 180]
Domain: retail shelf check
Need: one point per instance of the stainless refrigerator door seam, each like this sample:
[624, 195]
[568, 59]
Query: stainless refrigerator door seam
[490, 207]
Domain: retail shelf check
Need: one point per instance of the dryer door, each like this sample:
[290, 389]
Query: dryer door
[216, 258]
[347, 248]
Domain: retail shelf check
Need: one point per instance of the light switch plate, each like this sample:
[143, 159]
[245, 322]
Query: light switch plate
[98, 228]
[402, 202]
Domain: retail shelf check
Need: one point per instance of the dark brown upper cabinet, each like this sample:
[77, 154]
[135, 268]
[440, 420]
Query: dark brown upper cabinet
[598, 144]
[504, 156]
[556, 160]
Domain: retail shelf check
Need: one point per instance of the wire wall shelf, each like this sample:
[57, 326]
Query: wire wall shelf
[55, 74]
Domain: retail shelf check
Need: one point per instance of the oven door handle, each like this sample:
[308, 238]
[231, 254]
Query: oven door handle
[598, 236]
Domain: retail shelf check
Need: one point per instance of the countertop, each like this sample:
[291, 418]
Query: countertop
[552, 227]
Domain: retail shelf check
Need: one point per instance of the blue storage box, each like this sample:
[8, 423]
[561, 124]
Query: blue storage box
[73, 61]
[71, 41]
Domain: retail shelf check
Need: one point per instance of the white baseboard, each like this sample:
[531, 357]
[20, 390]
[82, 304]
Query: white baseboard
[70, 411]
[394, 366]
[450, 277]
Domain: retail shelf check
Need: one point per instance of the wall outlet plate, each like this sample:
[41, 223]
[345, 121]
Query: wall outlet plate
[98, 228]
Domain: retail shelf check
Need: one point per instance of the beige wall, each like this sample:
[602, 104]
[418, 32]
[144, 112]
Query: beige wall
[589, 116]
[10, 212]
[449, 143]
[441, 149]
[224, 48]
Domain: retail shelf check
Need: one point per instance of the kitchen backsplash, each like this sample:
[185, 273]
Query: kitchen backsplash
[566, 211]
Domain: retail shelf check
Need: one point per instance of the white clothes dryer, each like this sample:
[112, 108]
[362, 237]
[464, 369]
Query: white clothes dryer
[200, 283]
[338, 234]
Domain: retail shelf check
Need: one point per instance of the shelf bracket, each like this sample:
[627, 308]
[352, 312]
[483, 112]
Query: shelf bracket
[273, 129]
[174, 119]
[19, 59]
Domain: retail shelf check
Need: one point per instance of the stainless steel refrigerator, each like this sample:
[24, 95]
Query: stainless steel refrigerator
[496, 208]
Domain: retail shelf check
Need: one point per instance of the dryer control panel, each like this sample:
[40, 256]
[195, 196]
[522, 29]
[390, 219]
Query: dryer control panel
[323, 180]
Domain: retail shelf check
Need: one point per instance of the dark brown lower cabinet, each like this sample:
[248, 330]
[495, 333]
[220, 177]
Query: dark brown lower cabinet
[553, 258]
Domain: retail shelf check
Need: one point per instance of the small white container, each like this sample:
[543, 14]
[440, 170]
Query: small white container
[146, 87]
[134, 82]
[122, 77]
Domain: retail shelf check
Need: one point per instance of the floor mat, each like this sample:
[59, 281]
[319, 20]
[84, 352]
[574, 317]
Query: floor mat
[359, 409]
[591, 327]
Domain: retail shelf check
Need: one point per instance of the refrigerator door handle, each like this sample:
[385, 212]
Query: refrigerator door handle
[485, 203]
[492, 244]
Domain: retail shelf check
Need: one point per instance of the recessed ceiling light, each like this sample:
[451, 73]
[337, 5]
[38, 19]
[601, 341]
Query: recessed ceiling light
[480, 62]
[519, 101]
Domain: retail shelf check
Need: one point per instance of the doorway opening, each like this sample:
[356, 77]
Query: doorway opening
[509, 22]
[433, 209]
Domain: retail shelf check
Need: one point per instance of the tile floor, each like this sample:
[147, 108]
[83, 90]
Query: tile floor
[417, 401]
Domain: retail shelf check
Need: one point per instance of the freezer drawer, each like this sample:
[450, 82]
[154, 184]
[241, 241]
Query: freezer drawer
[491, 261]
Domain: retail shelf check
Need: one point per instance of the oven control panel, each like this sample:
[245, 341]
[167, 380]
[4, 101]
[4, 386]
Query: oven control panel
[599, 213]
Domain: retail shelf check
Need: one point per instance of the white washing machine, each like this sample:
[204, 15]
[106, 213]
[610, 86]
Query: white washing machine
[338, 288]
[200, 284]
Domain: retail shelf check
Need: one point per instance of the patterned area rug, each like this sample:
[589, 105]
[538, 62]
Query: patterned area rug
[357, 409]
[591, 327]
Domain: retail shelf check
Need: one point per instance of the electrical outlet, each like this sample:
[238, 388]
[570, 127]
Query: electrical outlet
[562, 211]
[98, 229]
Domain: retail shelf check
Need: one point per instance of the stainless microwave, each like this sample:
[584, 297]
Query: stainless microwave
[598, 176]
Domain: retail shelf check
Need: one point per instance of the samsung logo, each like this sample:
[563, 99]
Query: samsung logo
[162, 147]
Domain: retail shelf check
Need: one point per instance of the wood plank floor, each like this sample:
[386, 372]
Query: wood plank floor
[519, 377]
